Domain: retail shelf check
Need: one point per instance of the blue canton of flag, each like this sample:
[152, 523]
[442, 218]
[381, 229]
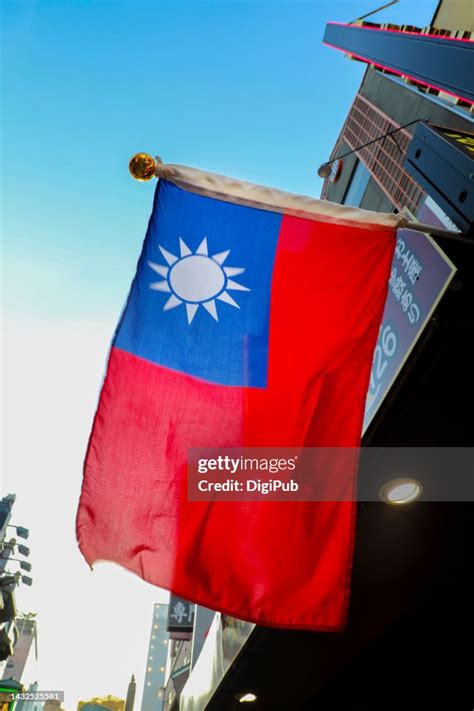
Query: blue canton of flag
[200, 300]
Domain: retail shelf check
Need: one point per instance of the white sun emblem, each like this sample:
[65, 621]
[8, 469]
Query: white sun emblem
[196, 279]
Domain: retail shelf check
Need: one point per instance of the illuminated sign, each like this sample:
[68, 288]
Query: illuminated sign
[7, 698]
[180, 614]
[460, 139]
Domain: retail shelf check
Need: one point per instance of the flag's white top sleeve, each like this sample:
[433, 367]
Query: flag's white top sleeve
[244, 193]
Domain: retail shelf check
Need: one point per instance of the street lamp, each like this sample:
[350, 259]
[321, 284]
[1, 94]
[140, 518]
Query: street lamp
[11, 544]
[26, 580]
[16, 577]
[324, 170]
[21, 530]
[24, 565]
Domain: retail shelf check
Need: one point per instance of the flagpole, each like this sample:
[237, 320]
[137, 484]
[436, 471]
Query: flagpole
[432, 230]
[144, 167]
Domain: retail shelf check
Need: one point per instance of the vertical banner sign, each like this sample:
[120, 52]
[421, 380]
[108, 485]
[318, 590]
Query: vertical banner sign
[420, 275]
[180, 614]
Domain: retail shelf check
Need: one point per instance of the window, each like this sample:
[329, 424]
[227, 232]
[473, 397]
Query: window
[357, 185]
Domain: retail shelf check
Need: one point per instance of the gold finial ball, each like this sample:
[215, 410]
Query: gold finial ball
[142, 167]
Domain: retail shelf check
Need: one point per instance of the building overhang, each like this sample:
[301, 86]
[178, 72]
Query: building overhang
[440, 62]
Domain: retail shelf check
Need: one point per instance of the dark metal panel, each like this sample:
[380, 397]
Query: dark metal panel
[445, 170]
[440, 62]
[439, 198]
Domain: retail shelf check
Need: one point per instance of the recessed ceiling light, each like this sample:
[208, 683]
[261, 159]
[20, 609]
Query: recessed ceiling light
[400, 491]
[246, 698]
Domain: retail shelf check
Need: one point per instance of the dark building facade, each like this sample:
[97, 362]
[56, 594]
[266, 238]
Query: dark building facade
[376, 177]
[410, 616]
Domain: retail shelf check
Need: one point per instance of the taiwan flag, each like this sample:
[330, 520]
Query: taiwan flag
[251, 322]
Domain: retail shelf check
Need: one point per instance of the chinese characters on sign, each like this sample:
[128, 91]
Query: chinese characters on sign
[420, 275]
[405, 273]
[180, 615]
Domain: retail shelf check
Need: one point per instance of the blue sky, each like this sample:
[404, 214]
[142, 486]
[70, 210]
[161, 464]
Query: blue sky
[242, 88]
